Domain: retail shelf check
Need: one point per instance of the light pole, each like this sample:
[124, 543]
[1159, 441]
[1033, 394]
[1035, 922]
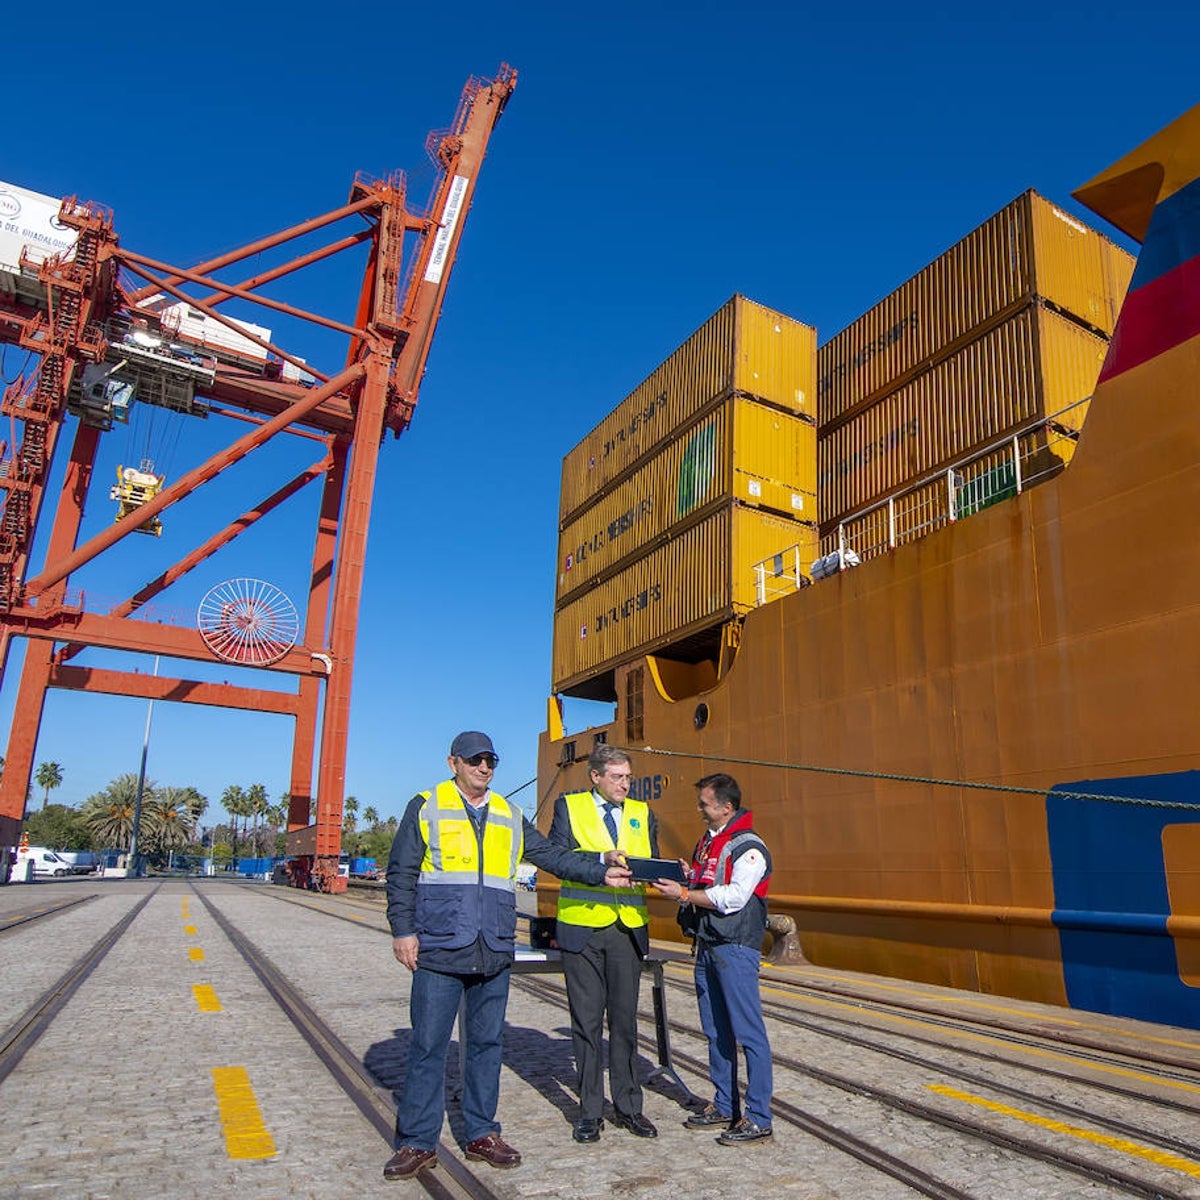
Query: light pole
[137, 803]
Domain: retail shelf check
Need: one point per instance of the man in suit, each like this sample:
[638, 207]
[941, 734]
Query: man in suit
[602, 933]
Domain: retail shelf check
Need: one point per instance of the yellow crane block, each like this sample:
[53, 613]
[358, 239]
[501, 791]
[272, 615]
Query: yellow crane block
[134, 488]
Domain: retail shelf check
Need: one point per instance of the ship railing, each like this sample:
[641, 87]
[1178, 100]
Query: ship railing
[779, 575]
[998, 471]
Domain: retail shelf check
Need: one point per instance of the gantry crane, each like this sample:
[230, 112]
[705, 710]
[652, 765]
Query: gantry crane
[108, 324]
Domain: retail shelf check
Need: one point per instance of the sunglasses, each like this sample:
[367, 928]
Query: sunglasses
[491, 760]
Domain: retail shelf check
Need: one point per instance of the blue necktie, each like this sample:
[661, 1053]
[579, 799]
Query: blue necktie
[610, 822]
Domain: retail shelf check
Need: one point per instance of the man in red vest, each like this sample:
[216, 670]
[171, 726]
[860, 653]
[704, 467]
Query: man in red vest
[724, 905]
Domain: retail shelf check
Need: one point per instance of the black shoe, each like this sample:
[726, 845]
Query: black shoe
[408, 1161]
[744, 1131]
[587, 1129]
[706, 1118]
[638, 1125]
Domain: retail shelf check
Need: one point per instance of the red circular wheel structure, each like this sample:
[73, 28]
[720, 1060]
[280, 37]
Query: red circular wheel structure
[249, 622]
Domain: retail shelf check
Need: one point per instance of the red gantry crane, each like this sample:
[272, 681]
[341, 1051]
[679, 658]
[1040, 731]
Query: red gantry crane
[106, 327]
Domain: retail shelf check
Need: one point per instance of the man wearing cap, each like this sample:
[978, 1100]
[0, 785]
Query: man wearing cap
[452, 911]
[602, 933]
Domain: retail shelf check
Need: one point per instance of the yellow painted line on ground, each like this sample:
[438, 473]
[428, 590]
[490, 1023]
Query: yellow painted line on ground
[206, 997]
[196, 954]
[245, 1133]
[189, 929]
[1161, 1157]
[984, 1039]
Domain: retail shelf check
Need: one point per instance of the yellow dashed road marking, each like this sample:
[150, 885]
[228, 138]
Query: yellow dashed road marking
[1161, 1157]
[245, 1134]
[206, 998]
[189, 929]
[196, 954]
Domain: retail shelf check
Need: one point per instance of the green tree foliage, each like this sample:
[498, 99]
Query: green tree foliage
[49, 775]
[235, 803]
[257, 801]
[169, 817]
[169, 821]
[60, 827]
[109, 813]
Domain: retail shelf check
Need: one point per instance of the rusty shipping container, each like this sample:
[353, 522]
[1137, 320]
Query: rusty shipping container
[694, 582]
[1030, 249]
[743, 348]
[1037, 363]
[743, 451]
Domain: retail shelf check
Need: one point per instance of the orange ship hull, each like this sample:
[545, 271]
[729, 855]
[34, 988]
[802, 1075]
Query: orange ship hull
[904, 731]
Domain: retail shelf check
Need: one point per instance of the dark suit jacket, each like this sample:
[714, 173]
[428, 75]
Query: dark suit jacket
[573, 938]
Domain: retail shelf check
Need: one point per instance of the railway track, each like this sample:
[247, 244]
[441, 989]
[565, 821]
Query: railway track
[16, 1041]
[28, 916]
[891, 1164]
[458, 1181]
[855, 1031]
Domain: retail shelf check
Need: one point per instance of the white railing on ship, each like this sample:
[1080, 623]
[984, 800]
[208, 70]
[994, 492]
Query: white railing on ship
[1003, 468]
[778, 575]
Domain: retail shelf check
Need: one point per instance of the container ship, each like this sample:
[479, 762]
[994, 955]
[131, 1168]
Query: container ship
[931, 592]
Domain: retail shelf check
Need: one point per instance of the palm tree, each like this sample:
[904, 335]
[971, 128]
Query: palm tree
[257, 802]
[49, 775]
[350, 814]
[371, 815]
[109, 814]
[234, 801]
[171, 825]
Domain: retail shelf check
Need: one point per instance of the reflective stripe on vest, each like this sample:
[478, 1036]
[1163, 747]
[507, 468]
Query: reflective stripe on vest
[725, 867]
[596, 907]
[452, 848]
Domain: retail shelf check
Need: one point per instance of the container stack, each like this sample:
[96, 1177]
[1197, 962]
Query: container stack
[1009, 325]
[706, 469]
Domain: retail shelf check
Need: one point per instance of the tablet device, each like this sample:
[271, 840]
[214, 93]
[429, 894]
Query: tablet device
[650, 869]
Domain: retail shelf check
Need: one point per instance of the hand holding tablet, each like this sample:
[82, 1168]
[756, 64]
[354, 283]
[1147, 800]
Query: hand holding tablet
[650, 870]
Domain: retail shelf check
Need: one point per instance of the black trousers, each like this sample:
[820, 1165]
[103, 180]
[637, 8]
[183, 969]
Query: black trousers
[605, 976]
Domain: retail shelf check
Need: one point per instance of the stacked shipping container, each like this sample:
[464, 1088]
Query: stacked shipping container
[706, 468]
[1009, 324]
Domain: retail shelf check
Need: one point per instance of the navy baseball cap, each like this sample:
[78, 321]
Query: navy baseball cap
[470, 743]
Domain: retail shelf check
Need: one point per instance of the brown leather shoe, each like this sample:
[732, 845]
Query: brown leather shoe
[407, 1161]
[494, 1150]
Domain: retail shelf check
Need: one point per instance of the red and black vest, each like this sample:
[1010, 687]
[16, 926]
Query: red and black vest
[713, 864]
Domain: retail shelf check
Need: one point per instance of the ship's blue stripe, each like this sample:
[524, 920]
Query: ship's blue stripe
[1172, 238]
[1111, 897]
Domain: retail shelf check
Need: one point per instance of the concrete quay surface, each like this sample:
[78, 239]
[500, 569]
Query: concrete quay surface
[122, 1097]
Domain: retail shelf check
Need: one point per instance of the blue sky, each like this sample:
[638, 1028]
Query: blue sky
[655, 159]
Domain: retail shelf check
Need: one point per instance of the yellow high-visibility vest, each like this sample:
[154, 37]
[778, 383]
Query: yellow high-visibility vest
[452, 849]
[596, 907]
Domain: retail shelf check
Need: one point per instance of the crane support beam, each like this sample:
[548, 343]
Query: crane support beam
[208, 549]
[366, 204]
[56, 571]
[231, 324]
[183, 691]
[146, 267]
[296, 264]
[149, 637]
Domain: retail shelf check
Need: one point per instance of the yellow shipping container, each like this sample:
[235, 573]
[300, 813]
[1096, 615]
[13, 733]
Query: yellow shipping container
[694, 582]
[1030, 249]
[1037, 363]
[743, 451]
[743, 348]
